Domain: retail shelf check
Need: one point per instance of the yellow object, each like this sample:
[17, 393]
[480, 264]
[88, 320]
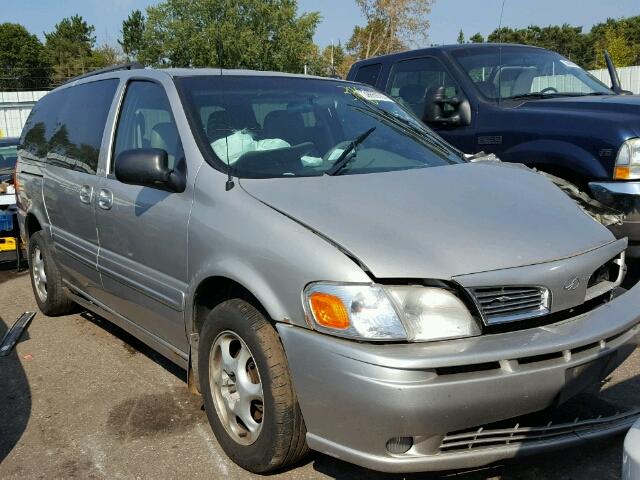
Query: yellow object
[7, 244]
[329, 311]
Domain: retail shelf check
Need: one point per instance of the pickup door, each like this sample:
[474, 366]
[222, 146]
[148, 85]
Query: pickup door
[410, 82]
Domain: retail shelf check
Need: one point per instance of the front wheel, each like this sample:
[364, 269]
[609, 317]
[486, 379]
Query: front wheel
[247, 390]
[46, 280]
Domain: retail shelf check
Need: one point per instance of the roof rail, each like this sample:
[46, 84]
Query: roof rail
[112, 68]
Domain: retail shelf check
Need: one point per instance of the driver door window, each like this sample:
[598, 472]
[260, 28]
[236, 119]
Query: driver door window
[146, 122]
[410, 80]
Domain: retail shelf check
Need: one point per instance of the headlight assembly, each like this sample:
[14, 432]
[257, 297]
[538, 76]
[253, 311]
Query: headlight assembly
[384, 313]
[628, 161]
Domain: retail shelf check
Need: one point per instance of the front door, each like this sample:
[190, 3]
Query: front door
[142, 230]
[70, 181]
[409, 83]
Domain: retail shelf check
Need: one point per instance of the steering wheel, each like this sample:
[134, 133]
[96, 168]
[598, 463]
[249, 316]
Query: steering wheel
[549, 89]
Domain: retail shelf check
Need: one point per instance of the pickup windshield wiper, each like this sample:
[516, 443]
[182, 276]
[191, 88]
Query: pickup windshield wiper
[529, 95]
[344, 158]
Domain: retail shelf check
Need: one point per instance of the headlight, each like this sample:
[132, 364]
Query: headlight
[628, 161]
[378, 312]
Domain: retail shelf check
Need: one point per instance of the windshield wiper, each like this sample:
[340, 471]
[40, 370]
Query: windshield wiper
[421, 134]
[529, 95]
[344, 157]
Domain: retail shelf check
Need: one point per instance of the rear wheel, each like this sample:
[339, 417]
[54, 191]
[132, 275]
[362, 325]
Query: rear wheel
[247, 390]
[46, 280]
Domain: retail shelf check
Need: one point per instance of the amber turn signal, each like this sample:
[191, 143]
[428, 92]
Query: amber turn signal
[329, 311]
[622, 173]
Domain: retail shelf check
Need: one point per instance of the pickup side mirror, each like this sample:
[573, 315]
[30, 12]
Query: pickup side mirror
[149, 167]
[613, 74]
[434, 109]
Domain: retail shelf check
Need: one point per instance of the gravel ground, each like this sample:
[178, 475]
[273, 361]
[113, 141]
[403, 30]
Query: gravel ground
[80, 398]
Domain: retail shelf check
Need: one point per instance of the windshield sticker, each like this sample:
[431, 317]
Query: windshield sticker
[569, 64]
[370, 95]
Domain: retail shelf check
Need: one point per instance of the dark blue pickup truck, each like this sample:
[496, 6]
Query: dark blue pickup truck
[526, 105]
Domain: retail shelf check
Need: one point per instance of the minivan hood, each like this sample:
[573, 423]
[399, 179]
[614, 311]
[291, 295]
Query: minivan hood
[438, 222]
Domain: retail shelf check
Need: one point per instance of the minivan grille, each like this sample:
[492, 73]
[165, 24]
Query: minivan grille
[507, 304]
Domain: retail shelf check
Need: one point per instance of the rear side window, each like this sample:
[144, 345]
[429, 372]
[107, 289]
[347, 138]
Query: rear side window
[39, 128]
[75, 144]
[368, 74]
[146, 121]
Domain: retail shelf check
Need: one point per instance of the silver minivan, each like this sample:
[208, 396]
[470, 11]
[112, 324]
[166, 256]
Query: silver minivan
[329, 272]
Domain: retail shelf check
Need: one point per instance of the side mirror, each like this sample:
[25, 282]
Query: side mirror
[148, 167]
[613, 74]
[434, 114]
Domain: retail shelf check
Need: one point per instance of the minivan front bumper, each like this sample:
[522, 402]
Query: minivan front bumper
[355, 397]
[624, 197]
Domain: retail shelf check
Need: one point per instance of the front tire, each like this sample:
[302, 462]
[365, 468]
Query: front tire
[46, 280]
[247, 389]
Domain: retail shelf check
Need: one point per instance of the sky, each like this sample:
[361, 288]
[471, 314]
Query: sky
[339, 16]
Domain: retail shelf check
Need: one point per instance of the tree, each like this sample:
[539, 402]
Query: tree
[70, 46]
[132, 34]
[391, 25]
[104, 56]
[615, 42]
[23, 62]
[620, 37]
[228, 33]
[370, 40]
[461, 37]
[331, 61]
[476, 38]
[565, 39]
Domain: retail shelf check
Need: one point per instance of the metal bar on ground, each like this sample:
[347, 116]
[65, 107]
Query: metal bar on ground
[14, 333]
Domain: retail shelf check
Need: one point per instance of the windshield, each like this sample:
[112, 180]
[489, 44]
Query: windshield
[264, 127]
[512, 72]
[8, 157]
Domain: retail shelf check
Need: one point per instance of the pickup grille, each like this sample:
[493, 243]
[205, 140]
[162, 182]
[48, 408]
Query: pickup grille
[508, 304]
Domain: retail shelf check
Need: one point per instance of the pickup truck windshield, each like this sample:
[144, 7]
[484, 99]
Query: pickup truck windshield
[520, 72]
[270, 126]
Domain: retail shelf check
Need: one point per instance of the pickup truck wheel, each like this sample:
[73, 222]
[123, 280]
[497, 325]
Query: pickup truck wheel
[46, 280]
[247, 389]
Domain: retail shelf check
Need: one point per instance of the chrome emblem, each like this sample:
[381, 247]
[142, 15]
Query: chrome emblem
[571, 284]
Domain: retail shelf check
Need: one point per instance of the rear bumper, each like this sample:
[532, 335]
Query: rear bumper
[355, 397]
[624, 197]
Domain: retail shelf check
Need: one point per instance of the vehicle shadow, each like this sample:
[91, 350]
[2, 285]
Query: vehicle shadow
[15, 397]
[9, 271]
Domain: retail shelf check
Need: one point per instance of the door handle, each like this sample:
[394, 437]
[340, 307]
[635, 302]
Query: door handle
[105, 199]
[86, 194]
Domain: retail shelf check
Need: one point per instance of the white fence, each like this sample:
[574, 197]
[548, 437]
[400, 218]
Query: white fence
[629, 78]
[14, 110]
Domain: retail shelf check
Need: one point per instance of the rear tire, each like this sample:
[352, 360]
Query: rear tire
[46, 280]
[238, 343]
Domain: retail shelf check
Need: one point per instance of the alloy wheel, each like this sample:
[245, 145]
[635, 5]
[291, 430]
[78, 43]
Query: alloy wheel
[39, 274]
[236, 388]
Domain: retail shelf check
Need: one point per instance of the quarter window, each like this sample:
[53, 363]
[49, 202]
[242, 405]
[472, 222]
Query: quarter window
[410, 80]
[369, 74]
[146, 122]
